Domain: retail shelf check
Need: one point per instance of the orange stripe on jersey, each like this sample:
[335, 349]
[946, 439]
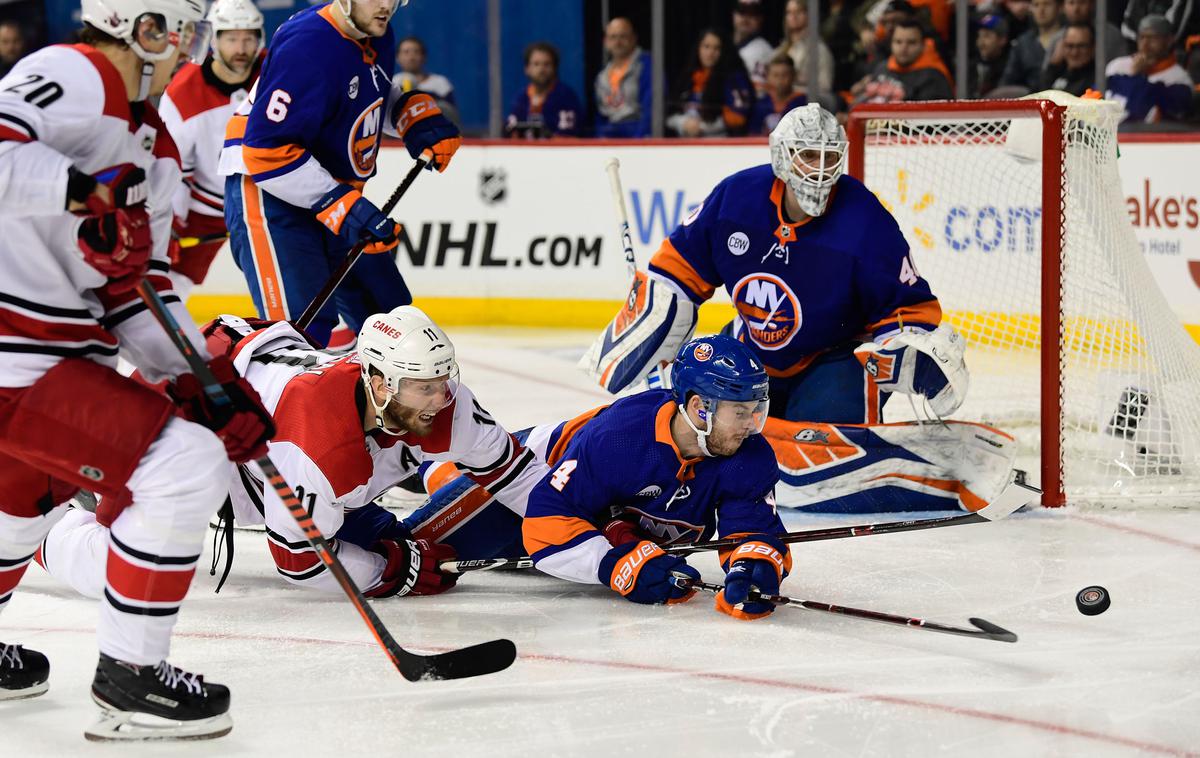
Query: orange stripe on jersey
[454, 516]
[541, 532]
[368, 52]
[260, 160]
[570, 429]
[235, 129]
[969, 499]
[670, 260]
[662, 433]
[270, 283]
[440, 475]
[928, 312]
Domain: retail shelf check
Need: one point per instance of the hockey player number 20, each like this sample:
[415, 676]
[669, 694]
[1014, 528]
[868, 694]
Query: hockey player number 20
[562, 474]
[277, 105]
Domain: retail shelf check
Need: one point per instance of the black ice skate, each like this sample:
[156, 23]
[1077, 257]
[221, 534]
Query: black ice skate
[159, 702]
[23, 673]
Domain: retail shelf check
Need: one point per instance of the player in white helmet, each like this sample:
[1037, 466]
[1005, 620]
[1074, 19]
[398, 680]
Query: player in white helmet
[828, 297]
[349, 429]
[88, 170]
[196, 107]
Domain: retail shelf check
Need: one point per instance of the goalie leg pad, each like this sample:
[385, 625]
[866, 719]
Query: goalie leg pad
[656, 319]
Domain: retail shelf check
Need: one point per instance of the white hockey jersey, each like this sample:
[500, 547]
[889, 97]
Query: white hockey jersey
[334, 466]
[196, 107]
[67, 105]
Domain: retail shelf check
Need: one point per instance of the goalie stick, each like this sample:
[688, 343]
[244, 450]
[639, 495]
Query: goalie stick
[484, 658]
[983, 629]
[1014, 496]
[352, 257]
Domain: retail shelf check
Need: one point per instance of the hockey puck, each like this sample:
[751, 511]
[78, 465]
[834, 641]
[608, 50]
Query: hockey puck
[1092, 601]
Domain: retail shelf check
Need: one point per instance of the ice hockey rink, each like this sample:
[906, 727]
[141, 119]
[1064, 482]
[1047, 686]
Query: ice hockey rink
[599, 676]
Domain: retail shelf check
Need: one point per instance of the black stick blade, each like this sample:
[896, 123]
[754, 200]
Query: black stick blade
[477, 660]
[998, 633]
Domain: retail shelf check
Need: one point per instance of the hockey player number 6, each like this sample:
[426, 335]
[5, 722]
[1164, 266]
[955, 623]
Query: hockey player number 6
[277, 105]
[562, 474]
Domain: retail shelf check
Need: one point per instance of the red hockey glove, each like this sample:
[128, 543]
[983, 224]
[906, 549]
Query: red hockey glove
[622, 530]
[412, 568]
[243, 425]
[115, 233]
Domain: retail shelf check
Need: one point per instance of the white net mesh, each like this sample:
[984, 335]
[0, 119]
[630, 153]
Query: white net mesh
[967, 193]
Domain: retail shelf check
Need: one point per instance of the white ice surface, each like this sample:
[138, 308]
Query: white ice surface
[600, 676]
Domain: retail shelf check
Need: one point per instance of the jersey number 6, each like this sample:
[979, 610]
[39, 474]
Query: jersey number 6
[562, 474]
[277, 105]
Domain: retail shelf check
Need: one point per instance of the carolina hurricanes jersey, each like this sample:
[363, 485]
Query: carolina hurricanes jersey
[196, 107]
[799, 289]
[317, 113]
[622, 459]
[67, 105]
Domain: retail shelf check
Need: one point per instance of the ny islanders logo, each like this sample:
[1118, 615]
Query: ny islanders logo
[768, 308]
[703, 352]
[363, 145]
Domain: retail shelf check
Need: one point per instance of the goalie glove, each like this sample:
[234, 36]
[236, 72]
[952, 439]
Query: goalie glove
[914, 362]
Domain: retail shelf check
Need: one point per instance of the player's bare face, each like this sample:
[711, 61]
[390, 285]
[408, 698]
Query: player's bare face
[371, 16]
[415, 405]
[732, 424]
[156, 42]
[236, 49]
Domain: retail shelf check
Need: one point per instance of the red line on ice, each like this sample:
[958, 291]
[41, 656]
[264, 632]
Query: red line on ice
[1095, 520]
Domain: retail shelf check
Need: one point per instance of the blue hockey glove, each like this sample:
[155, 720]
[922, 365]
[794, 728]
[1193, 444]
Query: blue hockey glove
[760, 563]
[425, 131]
[353, 218]
[367, 524]
[643, 573]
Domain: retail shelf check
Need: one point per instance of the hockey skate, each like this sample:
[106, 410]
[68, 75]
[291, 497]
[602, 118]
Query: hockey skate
[23, 672]
[159, 702]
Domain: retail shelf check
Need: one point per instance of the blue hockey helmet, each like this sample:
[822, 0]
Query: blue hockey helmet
[730, 381]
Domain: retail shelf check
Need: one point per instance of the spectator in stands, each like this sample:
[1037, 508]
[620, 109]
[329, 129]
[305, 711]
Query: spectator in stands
[546, 107]
[623, 92]
[779, 98]
[991, 42]
[1018, 14]
[410, 58]
[1029, 50]
[12, 45]
[754, 49]
[795, 45]
[913, 72]
[712, 96]
[1076, 72]
[1184, 16]
[837, 31]
[1149, 84]
[1084, 12]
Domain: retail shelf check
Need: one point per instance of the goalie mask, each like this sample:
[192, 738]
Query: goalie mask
[181, 22]
[808, 153]
[732, 386]
[415, 358]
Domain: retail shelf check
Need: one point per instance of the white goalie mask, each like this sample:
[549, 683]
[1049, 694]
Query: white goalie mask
[414, 357]
[235, 15]
[345, 6]
[180, 21]
[808, 153]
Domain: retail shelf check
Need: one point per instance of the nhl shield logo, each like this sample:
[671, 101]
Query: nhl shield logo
[493, 185]
[353, 91]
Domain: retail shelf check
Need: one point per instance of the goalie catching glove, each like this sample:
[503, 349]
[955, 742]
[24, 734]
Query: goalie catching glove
[915, 362]
[758, 564]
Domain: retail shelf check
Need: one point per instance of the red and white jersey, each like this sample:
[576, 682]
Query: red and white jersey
[196, 107]
[323, 452]
[63, 106]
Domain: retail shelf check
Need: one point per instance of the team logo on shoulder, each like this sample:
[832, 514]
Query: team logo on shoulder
[738, 243]
[768, 309]
[362, 146]
[694, 214]
[353, 91]
[702, 352]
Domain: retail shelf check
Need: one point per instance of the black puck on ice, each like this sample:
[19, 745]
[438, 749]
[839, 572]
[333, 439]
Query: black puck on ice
[1092, 601]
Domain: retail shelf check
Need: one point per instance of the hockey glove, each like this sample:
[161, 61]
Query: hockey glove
[919, 362]
[243, 424]
[353, 218]
[643, 573]
[425, 131]
[760, 563]
[412, 568]
[115, 233]
[367, 524]
[622, 530]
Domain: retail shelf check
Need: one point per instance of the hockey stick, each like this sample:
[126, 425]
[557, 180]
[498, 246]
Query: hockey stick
[613, 167]
[337, 276]
[983, 629]
[1015, 495]
[186, 242]
[485, 658]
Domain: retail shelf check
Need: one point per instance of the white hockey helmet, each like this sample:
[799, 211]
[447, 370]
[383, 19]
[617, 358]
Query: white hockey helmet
[182, 21]
[405, 344]
[808, 153]
[235, 15]
[346, 5]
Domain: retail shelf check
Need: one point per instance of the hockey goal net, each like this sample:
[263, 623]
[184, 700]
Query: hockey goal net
[1016, 217]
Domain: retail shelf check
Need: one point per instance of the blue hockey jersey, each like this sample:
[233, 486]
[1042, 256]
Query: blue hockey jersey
[318, 112]
[799, 289]
[557, 110]
[622, 460]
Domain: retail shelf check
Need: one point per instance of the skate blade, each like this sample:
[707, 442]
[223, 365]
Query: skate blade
[28, 692]
[118, 726]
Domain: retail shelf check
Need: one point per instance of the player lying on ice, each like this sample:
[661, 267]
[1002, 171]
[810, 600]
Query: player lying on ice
[827, 297]
[666, 467]
[349, 428]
